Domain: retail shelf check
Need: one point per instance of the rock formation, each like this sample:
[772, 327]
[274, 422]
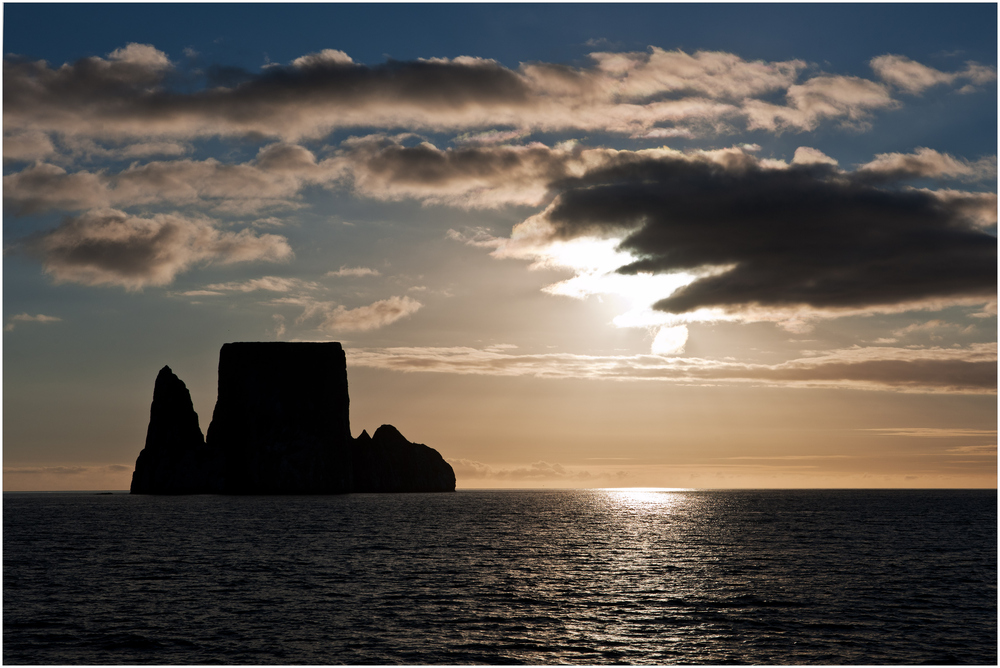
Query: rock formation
[281, 426]
[175, 459]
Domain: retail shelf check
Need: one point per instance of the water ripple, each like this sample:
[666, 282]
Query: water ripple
[512, 577]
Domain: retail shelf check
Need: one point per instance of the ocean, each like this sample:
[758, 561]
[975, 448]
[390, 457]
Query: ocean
[502, 577]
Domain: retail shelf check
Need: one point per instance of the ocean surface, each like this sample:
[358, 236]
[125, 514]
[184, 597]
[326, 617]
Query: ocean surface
[498, 577]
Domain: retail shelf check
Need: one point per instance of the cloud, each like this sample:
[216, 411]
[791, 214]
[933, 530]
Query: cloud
[474, 176]
[379, 167]
[466, 469]
[273, 178]
[26, 145]
[716, 74]
[128, 95]
[755, 239]
[64, 470]
[915, 78]
[928, 163]
[78, 147]
[943, 370]
[935, 432]
[45, 470]
[981, 450]
[24, 317]
[269, 283]
[323, 58]
[851, 99]
[479, 237]
[337, 318]
[935, 329]
[804, 155]
[356, 272]
[110, 247]
[468, 176]
[373, 316]
[489, 137]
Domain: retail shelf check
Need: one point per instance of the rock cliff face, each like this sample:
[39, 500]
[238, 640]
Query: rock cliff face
[281, 426]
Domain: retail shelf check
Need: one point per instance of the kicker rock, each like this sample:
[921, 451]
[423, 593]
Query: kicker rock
[281, 426]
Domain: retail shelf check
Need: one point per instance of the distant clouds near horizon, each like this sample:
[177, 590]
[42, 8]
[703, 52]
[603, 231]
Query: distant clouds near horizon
[680, 191]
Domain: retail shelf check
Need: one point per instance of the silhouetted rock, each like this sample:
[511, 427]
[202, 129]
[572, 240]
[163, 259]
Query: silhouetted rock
[387, 462]
[281, 426]
[175, 459]
[282, 418]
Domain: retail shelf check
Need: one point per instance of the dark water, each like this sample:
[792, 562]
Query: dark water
[594, 577]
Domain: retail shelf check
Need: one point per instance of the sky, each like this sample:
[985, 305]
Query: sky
[695, 246]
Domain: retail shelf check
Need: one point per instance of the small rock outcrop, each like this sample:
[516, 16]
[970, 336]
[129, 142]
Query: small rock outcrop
[388, 461]
[281, 425]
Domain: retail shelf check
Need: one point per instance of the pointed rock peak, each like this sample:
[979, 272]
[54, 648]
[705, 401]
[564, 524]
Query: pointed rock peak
[168, 381]
[173, 422]
[388, 434]
[364, 437]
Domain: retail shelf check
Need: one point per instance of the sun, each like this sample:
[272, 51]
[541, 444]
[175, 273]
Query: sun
[594, 263]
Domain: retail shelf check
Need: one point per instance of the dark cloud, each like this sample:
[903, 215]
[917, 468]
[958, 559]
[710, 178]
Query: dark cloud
[112, 248]
[132, 92]
[805, 235]
[314, 93]
[470, 176]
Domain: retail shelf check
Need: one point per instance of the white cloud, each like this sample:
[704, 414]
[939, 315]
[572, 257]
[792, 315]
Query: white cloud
[970, 369]
[467, 469]
[24, 317]
[356, 272]
[914, 78]
[270, 283]
[935, 432]
[804, 155]
[850, 99]
[476, 236]
[926, 162]
[324, 57]
[142, 55]
[980, 450]
[373, 316]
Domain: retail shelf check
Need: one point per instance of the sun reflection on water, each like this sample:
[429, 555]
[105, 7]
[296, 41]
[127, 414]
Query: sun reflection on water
[660, 499]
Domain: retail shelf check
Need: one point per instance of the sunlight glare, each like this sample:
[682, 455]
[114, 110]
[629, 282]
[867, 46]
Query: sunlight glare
[646, 499]
[595, 262]
[670, 340]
